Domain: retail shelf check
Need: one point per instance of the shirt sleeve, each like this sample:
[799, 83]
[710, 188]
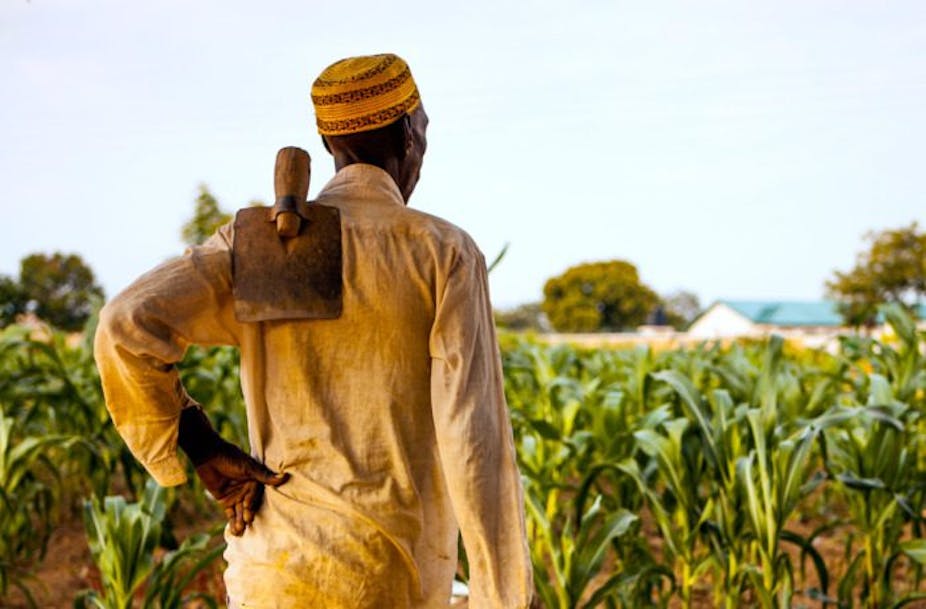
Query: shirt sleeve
[475, 439]
[144, 331]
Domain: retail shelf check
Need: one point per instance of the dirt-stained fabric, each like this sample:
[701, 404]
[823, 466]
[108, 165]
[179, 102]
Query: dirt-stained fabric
[390, 419]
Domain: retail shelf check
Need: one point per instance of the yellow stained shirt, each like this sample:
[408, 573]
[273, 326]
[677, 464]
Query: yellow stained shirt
[391, 419]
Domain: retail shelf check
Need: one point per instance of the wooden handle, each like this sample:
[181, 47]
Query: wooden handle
[291, 186]
[288, 224]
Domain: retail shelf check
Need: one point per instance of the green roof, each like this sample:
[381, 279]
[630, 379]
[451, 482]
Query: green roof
[787, 313]
[793, 313]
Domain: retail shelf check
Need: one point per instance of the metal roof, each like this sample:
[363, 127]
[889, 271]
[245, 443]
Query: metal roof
[787, 313]
[792, 313]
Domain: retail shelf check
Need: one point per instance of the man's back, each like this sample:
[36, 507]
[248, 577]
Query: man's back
[387, 425]
[344, 406]
[389, 419]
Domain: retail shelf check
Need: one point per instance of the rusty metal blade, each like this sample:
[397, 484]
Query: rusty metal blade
[294, 278]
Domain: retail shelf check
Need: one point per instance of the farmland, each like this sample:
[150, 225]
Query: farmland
[752, 474]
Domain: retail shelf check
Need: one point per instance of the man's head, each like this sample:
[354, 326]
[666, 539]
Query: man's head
[368, 110]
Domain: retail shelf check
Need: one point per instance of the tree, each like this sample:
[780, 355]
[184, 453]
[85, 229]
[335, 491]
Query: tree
[60, 289]
[892, 269]
[598, 296]
[681, 308]
[12, 300]
[207, 217]
[523, 317]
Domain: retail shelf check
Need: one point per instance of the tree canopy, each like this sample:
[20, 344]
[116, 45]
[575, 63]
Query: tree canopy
[12, 300]
[681, 308]
[207, 217]
[598, 296]
[892, 269]
[59, 288]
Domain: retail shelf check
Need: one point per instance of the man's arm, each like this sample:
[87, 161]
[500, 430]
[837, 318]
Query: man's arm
[475, 440]
[143, 333]
[235, 479]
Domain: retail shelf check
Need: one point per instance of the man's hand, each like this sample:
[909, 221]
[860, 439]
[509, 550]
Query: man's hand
[236, 480]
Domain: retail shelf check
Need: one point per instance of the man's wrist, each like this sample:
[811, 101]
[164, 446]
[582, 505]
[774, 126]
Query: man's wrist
[197, 437]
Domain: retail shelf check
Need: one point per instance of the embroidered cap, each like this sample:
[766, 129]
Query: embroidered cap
[363, 93]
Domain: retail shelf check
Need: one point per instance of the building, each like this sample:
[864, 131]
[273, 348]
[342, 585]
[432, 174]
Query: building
[813, 323]
[729, 318]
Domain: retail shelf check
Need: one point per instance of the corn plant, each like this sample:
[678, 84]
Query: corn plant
[560, 415]
[904, 365]
[873, 460]
[574, 551]
[28, 493]
[678, 509]
[726, 524]
[123, 538]
[166, 587]
[51, 387]
[902, 361]
[772, 478]
[740, 484]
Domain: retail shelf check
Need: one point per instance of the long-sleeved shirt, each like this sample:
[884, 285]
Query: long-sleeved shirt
[390, 419]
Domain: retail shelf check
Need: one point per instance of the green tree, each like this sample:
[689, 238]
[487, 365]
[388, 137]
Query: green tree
[207, 217]
[12, 300]
[59, 288]
[892, 269]
[598, 296]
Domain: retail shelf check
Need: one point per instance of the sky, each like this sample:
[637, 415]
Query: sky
[733, 149]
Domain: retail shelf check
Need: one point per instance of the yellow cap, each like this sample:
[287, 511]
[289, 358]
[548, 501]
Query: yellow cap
[363, 93]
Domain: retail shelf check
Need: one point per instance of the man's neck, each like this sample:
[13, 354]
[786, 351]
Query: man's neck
[390, 165]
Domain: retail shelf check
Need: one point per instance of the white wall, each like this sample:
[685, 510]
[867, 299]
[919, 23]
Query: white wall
[721, 321]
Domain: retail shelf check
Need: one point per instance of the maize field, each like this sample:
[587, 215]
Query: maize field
[750, 474]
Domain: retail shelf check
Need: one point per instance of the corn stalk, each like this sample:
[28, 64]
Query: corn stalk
[123, 538]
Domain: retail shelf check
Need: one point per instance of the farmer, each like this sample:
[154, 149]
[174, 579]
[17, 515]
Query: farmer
[375, 435]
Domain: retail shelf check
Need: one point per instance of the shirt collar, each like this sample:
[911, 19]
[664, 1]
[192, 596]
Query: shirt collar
[360, 181]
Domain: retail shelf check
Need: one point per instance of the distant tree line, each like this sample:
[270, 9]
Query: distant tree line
[610, 296]
[591, 297]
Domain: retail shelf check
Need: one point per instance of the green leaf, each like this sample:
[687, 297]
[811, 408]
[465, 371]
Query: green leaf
[915, 549]
[807, 548]
[861, 484]
[546, 430]
[898, 318]
[691, 402]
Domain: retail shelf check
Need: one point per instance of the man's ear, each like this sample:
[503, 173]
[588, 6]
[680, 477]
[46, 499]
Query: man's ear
[408, 136]
[325, 143]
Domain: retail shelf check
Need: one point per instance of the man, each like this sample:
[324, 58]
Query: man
[387, 424]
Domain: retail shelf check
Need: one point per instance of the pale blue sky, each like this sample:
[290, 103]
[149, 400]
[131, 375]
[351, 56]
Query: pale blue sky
[735, 149]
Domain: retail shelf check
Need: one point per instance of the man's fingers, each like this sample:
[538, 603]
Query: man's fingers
[262, 474]
[230, 516]
[246, 500]
[251, 501]
[237, 525]
[278, 479]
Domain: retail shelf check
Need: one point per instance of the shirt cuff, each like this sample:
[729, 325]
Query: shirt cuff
[167, 472]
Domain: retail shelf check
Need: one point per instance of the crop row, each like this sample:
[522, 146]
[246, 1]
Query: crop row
[713, 476]
[741, 460]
